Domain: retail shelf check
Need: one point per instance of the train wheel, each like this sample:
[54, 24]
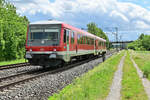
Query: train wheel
[62, 64]
[43, 66]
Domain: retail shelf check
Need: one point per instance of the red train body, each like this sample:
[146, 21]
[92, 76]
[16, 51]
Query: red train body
[52, 43]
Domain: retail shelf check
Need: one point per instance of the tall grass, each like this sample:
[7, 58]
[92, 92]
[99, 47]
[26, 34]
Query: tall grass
[132, 88]
[12, 62]
[142, 59]
[94, 85]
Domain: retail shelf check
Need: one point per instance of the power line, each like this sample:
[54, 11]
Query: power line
[126, 29]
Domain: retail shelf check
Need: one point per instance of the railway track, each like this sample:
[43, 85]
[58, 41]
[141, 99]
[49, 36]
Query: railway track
[27, 64]
[13, 66]
[9, 82]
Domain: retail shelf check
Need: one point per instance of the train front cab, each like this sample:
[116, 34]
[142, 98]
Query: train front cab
[43, 51]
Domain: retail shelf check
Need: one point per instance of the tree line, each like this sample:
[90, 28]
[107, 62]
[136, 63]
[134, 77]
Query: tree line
[13, 29]
[142, 43]
[93, 28]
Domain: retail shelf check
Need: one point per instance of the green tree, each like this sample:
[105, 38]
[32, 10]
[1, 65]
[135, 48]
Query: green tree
[146, 42]
[142, 43]
[12, 32]
[92, 28]
[141, 36]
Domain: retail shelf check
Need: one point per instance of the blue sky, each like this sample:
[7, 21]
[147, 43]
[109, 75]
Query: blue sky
[132, 17]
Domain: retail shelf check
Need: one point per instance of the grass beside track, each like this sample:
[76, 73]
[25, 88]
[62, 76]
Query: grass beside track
[12, 62]
[142, 59]
[132, 88]
[93, 85]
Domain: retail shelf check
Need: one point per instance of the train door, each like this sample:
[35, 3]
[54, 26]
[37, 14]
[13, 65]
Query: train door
[94, 46]
[68, 44]
[76, 42]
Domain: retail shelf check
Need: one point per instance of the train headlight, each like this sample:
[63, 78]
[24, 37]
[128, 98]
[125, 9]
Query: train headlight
[30, 50]
[52, 56]
[28, 56]
[54, 49]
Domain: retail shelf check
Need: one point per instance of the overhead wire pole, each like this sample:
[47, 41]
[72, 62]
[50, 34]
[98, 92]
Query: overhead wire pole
[114, 33]
[116, 36]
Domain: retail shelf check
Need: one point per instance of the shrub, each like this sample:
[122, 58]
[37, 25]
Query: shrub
[146, 70]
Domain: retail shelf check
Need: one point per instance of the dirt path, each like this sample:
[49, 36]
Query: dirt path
[115, 88]
[145, 82]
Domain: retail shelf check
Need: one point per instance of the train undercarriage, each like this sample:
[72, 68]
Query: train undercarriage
[44, 60]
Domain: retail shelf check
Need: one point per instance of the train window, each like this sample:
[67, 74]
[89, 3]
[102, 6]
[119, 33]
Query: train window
[86, 40]
[68, 36]
[31, 36]
[72, 38]
[78, 38]
[81, 38]
[89, 41]
[92, 41]
[65, 32]
[99, 43]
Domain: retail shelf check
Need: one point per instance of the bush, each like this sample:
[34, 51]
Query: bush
[146, 70]
[141, 44]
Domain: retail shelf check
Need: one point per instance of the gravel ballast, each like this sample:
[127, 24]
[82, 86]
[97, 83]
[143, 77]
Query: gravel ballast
[13, 71]
[42, 88]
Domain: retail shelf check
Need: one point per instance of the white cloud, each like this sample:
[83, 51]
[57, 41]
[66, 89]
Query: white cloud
[80, 12]
[118, 15]
[141, 24]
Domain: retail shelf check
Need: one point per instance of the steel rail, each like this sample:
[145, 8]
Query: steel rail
[13, 66]
[21, 81]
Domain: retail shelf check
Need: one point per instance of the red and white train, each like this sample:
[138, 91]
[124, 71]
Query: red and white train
[51, 43]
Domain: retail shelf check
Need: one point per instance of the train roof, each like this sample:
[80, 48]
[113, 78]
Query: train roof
[46, 22]
[67, 26]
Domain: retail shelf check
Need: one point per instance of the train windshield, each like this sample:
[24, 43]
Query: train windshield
[44, 35]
